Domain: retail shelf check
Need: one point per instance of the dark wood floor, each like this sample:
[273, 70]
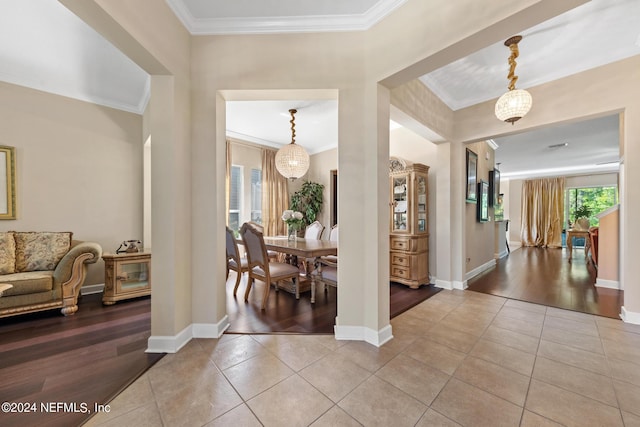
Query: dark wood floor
[285, 314]
[546, 276]
[86, 358]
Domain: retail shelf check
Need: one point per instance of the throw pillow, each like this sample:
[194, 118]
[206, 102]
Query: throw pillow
[7, 253]
[40, 251]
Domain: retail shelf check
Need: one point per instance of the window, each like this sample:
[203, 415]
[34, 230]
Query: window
[235, 197]
[256, 195]
[597, 199]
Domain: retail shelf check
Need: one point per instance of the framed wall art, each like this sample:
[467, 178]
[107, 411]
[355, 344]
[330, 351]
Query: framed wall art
[7, 182]
[472, 177]
[483, 201]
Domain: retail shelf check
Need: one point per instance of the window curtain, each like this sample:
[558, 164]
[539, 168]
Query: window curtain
[542, 212]
[227, 183]
[275, 196]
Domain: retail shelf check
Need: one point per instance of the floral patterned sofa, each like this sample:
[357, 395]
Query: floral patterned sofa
[45, 270]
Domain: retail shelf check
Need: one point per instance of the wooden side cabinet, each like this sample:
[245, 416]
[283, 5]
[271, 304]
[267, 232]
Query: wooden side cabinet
[126, 275]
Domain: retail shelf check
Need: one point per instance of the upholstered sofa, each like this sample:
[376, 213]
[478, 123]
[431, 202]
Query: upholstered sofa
[45, 270]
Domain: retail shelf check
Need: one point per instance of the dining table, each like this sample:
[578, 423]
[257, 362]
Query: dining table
[308, 249]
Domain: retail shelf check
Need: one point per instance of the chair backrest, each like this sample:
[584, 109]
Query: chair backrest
[314, 230]
[333, 233]
[254, 246]
[232, 247]
[257, 226]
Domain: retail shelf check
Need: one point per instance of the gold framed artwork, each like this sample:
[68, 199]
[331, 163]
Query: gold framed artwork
[472, 177]
[7, 182]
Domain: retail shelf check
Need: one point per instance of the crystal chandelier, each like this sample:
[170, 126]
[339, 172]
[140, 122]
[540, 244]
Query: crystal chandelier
[514, 104]
[292, 161]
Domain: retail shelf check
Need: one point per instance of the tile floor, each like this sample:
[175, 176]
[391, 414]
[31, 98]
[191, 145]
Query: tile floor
[459, 358]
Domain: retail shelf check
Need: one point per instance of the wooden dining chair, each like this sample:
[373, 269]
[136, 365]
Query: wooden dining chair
[273, 255]
[234, 261]
[259, 266]
[326, 273]
[333, 237]
[313, 232]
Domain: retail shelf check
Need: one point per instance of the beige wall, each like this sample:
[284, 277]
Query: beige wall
[79, 168]
[320, 171]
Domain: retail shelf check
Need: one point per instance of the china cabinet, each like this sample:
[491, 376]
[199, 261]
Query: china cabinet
[409, 234]
[127, 275]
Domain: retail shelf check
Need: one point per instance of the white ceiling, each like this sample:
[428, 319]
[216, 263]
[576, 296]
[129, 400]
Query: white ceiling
[54, 51]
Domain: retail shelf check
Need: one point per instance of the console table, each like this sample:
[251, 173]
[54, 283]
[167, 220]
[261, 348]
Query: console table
[571, 233]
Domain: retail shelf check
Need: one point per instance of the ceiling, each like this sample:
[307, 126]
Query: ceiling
[54, 51]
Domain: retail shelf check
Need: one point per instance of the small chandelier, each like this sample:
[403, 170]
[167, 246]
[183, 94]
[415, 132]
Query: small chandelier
[292, 161]
[513, 105]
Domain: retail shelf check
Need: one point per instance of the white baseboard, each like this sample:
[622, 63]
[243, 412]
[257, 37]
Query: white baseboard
[460, 285]
[92, 289]
[500, 255]
[630, 316]
[604, 283]
[172, 344]
[360, 333]
[473, 273]
[444, 284]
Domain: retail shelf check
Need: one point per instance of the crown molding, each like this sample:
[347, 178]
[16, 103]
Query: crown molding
[283, 24]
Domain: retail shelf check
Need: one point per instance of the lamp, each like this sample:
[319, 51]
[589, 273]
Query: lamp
[513, 105]
[292, 161]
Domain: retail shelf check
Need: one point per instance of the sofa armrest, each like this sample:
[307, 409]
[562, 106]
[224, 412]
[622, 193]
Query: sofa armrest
[72, 270]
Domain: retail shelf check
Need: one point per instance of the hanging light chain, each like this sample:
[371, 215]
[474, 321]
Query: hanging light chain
[293, 125]
[512, 43]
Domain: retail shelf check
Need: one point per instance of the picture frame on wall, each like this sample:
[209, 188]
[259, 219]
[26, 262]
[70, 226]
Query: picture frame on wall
[483, 201]
[8, 182]
[472, 177]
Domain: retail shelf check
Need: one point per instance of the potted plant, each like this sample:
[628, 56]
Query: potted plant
[308, 200]
[581, 216]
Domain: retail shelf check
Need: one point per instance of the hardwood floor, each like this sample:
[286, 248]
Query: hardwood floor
[285, 314]
[86, 358]
[546, 276]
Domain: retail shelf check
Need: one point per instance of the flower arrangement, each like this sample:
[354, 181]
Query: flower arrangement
[293, 219]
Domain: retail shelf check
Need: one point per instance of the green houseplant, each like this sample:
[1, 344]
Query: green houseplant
[308, 200]
[581, 217]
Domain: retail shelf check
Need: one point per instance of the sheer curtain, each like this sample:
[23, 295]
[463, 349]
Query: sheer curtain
[275, 195]
[542, 212]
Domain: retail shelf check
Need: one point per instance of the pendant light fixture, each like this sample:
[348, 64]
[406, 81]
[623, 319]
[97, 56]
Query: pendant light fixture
[513, 105]
[292, 161]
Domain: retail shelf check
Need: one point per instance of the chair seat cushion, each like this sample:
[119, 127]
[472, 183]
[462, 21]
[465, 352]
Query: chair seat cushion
[330, 273]
[278, 269]
[330, 258]
[243, 263]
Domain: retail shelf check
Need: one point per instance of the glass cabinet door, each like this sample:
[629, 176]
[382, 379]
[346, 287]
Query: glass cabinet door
[133, 276]
[421, 193]
[400, 204]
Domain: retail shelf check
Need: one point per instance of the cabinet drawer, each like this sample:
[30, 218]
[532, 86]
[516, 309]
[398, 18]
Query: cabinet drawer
[400, 260]
[403, 272]
[399, 243]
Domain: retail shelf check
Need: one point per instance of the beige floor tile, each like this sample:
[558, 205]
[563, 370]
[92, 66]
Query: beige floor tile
[377, 403]
[197, 402]
[366, 355]
[293, 402]
[528, 327]
[335, 375]
[474, 323]
[432, 418]
[607, 322]
[628, 396]
[622, 350]
[495, 379]
[625, 371]
[470, 406]
[144, 416]
[571, 315]
[523, 305]
[429, 313]
[619, 335]
[630, 420]
[239, 416]
[580, 327]
[502, 355]
[529, 419]
[568, 408]
[414, 378]
[410, 324]
[184, 370]
[492, 305]
[255, 375]
[566, 337]
[330, 341]
[522, 314]
[296, 351]
[335, 417]
[233, 352]
[512, 339]
[586, 383]
[451, 337]
[575, 357]
[137, 395]
[436, 355]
